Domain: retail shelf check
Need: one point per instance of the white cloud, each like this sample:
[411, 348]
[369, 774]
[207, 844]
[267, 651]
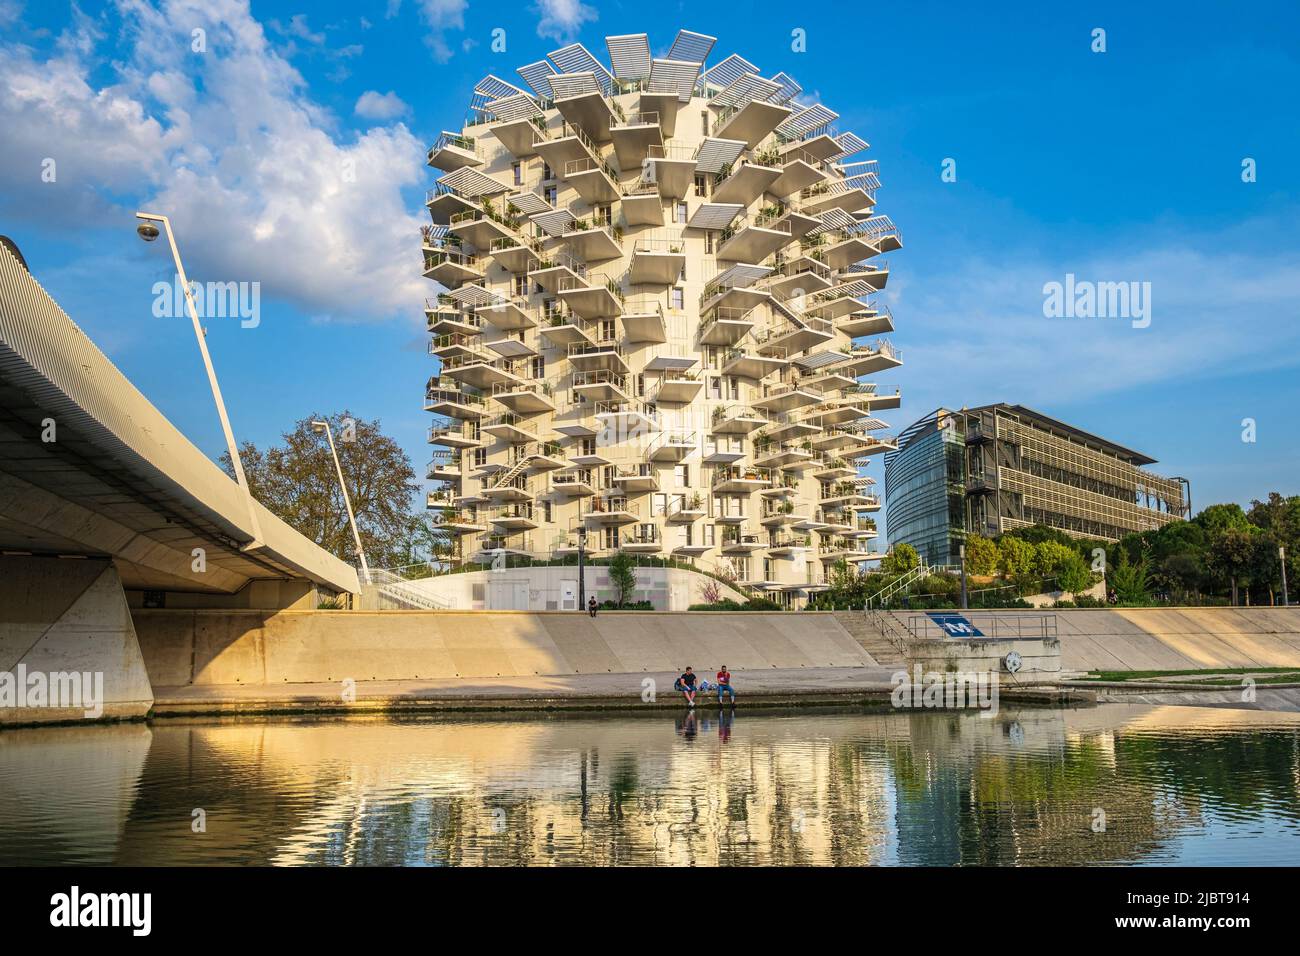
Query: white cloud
[258, 180]
[562, 20]
[380, 106]
[441, 16]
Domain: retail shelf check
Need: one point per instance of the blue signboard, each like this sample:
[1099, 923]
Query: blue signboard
[954, 625]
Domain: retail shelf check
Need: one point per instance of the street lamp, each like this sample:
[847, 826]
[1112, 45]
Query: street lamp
[149, 232]
[962, 551]
[323, 428]
[582, 577]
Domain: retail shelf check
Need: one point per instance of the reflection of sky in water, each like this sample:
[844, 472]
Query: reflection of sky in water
[1176, 785]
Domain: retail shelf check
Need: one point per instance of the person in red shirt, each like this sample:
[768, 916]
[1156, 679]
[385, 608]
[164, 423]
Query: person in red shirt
[724, 684]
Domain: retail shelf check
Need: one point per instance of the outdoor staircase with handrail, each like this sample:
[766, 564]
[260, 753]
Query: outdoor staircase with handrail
[402, 592]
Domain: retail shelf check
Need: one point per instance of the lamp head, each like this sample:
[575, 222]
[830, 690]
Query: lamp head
[147, 230]
[318, 427]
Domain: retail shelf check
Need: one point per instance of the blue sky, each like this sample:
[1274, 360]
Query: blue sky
[290, 152]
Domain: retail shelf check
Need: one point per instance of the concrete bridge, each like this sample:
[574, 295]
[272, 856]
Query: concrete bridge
[104, 504]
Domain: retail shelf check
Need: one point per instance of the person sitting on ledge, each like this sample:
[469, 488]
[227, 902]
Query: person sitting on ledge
[686, 684]
[724, 684]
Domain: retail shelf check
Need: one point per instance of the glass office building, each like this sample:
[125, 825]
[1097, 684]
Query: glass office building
[924, 488]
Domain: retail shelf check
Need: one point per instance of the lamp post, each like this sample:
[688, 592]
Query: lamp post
[149, 232]
[323, 428]
[961, 550]
[1281, 553]
[582, 576]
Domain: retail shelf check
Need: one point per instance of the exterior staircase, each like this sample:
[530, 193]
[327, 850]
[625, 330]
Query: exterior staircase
[883, 640]
[392, 591]
[514, 471]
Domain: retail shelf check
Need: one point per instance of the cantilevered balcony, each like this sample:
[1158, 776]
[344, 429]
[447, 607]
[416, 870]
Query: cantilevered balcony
[637, 479]
[453, 266]
[799, 170]
[842, 248]
[642, 205]
[874, 274]
[643, 539]
[753, 240]
[751, 363]
[510, 427]
[592, 243]
[443, 202]
[562, 329]
[455, 345]
[877, 320]
[444, 466]
[524, 398]
[672, 447]
[520, 133]
[686, 510]
[846, 494]
[481, 371]
[783, 456]
[835, 412]
[737, 420]
[601, 386]
[513, 517]
[561, 268]
[792, 336]
[786, 397]
[444, 317]
[678, 387]
[509, 544]
[726, 326]
[672, 169]
[450, 400]
[513, 489]
[593, 297]
[865, 359]
[507, 315]
[833, 470]
[604, 355]
[867, 394]
[734, 288]
[800, 221]
[454, 436]
[564, 144]
[594, 180]
[657, 261]
[612, 510]
[813, 523]
[515, 254]
[740, 543]
[840, 194]
[743, 183]
[455, 520]
[634, 135]
[750, 121]
[452, 151]
[590, 111]
[787, 545]
[724, 450]
[573, 484]
[804, 272]
[626, 419]
[843, 549]
[785, 429]
[643, 321]
[835, 302]
[778, 514]
[481, 227]
[740, 480]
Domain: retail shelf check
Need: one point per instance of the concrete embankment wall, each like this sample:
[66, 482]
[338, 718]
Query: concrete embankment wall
[250, 647]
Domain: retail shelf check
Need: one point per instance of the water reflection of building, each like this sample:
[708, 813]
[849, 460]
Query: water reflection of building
[915, 788]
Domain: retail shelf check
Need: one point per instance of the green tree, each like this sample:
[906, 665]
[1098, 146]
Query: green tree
[1073, 575]
[622, 574]
[981, 555]
[1232, 551]
[1050, 555]
[1128, 580]
[901, 558]
[1015, 556]
[297, 482]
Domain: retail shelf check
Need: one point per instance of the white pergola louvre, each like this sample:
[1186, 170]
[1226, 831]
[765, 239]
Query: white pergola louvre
[555, 223]
[877, 226]
[691, 46]
[575, 58]
[833, 219]
[518, 106]
[494, 88]
[864, 181]
[745, 90]
[869, 425]
[470, 182]
[864, 481]
[538, 76]
[800, 124]
[530, 204]
[566, 85]
[790, 88]
[714, 153]
[629, 55]
[821, 359]
[739, 276]
[723, 74]
[437, 232]
[714, 215]
[857, 288]
[849, 144]
[476, 297]
[674, 76]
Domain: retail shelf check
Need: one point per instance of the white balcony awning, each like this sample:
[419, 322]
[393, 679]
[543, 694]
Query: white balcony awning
[849, 144]
[575, 58]
[723, 74]
[515, 107]
[715, 153]
[470, 182]
[691, 46]
[714, 215]
[538, 76]
[629, 55]
[806, 121]
[530, 204]
[745, 90]
[567, 85]
[555, 223]
[673, 76]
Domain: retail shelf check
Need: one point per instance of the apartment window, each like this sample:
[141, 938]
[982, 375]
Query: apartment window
[733, 388]
[710, 532]
[603, 215]
[677, 298]
[480, 457]
[704, 122]
[701, 186]
[587, 446]
[521, 285]
[611, 539]
[658, 505]
[539, 367]
[708, 242]
[640, 385]
[550, 194]
[681, 213]
[518, 173]
[546, 171]
[682, 473]
[767, 569]
[546, 512]
[715, 387]
[608, 330]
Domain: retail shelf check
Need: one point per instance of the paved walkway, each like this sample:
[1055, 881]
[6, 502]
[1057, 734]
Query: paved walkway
[775, 685]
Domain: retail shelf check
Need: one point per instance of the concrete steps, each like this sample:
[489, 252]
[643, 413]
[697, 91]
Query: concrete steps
[881, 648]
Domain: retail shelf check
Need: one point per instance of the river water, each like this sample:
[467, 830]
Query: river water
[1114, 784]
